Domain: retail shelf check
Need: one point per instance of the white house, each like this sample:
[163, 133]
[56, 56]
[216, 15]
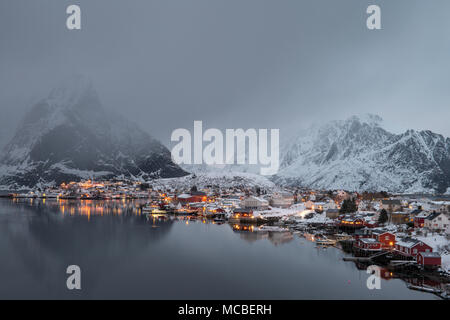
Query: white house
[282, 199]
[321, 206]
[255, 203]
[437, 221]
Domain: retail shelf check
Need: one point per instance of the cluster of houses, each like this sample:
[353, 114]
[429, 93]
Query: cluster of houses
[248, 205]
[91, 190]
[406, 248]
[407, 217]
[436, 219]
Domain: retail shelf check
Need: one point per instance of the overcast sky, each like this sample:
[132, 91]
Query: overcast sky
[233, 63]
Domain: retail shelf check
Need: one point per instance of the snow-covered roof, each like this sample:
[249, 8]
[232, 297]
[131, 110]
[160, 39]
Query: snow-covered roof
[368, 240]
[430, 254]
[408, 243]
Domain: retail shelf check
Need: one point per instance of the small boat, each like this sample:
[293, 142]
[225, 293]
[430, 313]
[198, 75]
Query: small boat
[149, 208]
[324, 241]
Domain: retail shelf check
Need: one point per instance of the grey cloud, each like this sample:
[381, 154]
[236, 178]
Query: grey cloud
[252, 63]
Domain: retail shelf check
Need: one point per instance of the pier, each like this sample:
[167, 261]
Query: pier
[365, 259]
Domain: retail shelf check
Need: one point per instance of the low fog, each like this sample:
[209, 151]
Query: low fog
[253, 64]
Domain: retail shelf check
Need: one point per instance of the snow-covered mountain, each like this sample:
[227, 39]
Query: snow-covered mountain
[220, 179]
[358, 154]
[70, 136]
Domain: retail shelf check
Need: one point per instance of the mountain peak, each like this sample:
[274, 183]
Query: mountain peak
[70, 135]
[370, 119]
[70, 91]
[357, 154]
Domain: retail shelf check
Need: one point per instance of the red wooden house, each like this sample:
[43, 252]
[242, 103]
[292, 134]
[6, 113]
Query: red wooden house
[411, 247]
[386, 239]
[352, 223]
[419, 222]
[368, 244]
[419, 219]
[429, 259]
[370, 224]
[196, 196]
[362, 233]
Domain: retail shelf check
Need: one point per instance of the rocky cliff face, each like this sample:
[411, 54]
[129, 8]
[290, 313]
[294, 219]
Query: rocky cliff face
[70, 136]
[358, 154]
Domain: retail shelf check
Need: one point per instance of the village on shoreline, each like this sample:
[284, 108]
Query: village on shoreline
[407, 235]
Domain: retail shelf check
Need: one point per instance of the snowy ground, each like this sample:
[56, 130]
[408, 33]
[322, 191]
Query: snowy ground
[446, 262]
[440, 244]
[297, 211]
[222, 179]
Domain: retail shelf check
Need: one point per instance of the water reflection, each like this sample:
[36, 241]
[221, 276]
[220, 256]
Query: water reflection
[251, 232]
[124, 253]
[409, 276]
[47, 236]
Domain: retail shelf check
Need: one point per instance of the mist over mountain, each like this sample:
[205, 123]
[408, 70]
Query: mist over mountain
[70, 136]
[358, 154]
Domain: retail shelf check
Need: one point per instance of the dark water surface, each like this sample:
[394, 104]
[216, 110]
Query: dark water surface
[122, 255]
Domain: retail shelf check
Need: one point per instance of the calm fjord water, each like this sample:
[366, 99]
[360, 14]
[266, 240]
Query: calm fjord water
[123, 255]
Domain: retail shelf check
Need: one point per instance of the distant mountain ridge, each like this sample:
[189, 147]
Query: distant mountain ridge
[358, 154]
[70, 136]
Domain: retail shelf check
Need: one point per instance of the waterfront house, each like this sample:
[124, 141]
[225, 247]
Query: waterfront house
[387, 239]
[429, 259]
[255, 203]
[282, 199]
[367, 244]
[437, 221]
[362, 233]
[243, 215]
[411, 247]
[352, 223]
[195, 196]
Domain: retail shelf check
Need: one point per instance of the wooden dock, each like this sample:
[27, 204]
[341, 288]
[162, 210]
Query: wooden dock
[366, 259]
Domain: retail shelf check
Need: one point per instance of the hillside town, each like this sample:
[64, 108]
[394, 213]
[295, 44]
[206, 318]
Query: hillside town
[408, 234]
